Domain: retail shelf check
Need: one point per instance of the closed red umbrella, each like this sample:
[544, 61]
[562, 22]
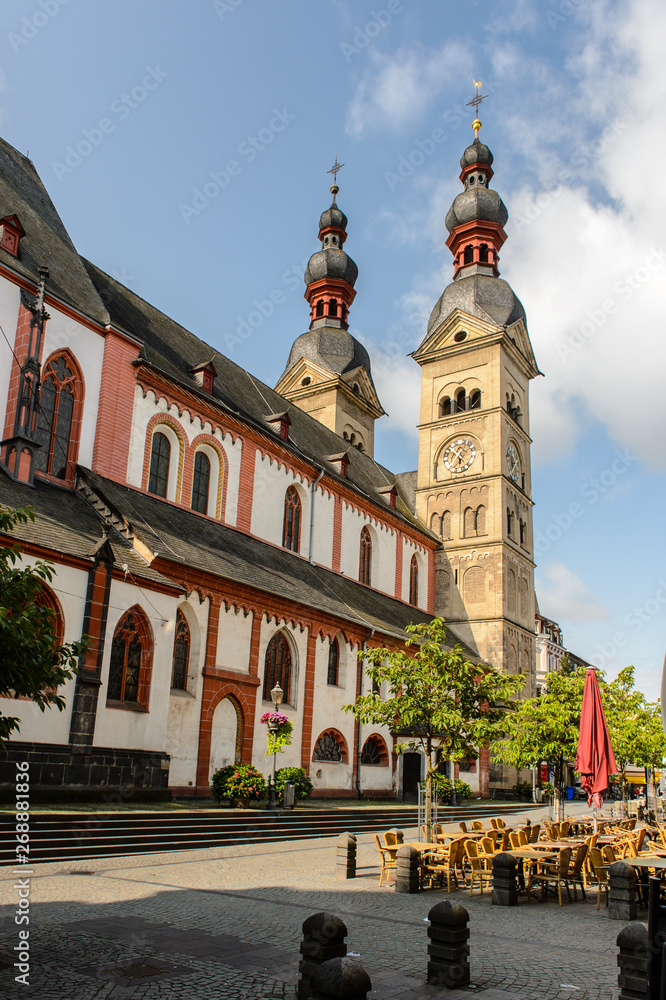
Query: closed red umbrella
[594, 758]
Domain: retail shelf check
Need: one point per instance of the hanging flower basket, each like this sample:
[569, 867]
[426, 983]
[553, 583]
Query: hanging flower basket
[280, 731]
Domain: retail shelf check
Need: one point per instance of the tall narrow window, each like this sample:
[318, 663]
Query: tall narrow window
[461, 401]
[130, 656]
[365, 559]
[160, 453]
[277, 668]
[181, 653]
[480, 520]
[320, 308]
[291, 528]
[333, 662]
[332, 308]
[56, 410]
[445, 407]
[483, 253]
[469, 255]
[475, 400]
[469, 523]
[414, 581]
[509, 522]
[201, 482]
[446, 524]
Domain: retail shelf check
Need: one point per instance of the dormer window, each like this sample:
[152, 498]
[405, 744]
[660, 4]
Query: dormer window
[280, 422]
[389, 494]
[340, 463]
[11, 232]
[204, 376]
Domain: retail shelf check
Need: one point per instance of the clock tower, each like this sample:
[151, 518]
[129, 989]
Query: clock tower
[474, 476]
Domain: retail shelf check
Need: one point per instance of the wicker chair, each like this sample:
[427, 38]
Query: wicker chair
[600, 873]
[477, 824]
[447, 863]
[480, 868]
[463, 826]
[577, 870]
[389, 859]
[534, 833]
[552, 873]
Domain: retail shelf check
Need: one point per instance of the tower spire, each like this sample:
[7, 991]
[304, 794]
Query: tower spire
[476, 100]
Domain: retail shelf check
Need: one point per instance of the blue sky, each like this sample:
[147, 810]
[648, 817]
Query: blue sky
[204, 132]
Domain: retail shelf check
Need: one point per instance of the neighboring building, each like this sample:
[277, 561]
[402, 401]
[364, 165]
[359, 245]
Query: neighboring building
[549, 649]
[214, 536]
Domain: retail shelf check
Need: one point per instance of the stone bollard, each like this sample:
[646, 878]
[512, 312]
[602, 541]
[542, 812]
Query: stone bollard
[632, 977]
[345, 861]
[340, 979]
[448, 948]
[622, 892]
[408, 869]
[505, 892]
[323, 939]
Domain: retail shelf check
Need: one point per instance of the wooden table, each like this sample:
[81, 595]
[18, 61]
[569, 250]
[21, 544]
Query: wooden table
[529, 854]
[646, 862]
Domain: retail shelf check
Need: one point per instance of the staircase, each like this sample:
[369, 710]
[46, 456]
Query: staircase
[75, 836]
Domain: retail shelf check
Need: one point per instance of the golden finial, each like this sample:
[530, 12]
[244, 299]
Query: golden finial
[476, 100]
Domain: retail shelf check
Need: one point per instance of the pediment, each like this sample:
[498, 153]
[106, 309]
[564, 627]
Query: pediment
[292, 381]
[443, 336]
[359, 377]
[291, 385]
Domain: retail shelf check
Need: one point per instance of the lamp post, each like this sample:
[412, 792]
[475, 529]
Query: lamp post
[276, 697]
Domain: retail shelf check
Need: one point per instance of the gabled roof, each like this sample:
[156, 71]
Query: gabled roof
[46, 241]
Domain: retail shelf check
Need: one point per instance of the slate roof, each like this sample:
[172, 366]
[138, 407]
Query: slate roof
[181, 536]
[174, 351]
[65, 522]
[46, 241]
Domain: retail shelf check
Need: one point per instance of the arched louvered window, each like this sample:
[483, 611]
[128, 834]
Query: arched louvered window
[181, 653]
[277, 668]
[365, 558]
[131, 656]
[201, 482]
[160, 454]
[291, 528]
[414, 581]
[333, 662]
[60, 392]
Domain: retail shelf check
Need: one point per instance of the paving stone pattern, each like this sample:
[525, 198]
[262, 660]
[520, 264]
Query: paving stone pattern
[229, 921]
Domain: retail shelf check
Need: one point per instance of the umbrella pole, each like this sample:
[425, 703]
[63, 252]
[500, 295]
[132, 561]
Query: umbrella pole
[594, 813]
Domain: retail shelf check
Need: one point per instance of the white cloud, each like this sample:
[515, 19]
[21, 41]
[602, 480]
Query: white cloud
[564, 597]
[395, 90]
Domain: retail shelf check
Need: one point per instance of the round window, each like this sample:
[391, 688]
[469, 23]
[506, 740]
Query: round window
[460, 336]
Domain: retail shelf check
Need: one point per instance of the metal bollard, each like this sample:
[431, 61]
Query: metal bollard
[408, 869]
[448, 949]
[345, 861]
[340, 979]
[323, 939]
[505, 892]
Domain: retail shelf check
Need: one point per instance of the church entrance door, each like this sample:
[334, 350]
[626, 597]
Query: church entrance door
[411, 775]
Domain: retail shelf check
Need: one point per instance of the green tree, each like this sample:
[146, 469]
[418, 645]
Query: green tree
[438, 701]
[32, 662]
[634, 726]
[546, 728]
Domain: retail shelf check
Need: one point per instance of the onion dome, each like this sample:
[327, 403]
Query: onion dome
[476, 203]
[331, 273]
[484, 296]
[478, 152]
[331, 263]
[333, 217]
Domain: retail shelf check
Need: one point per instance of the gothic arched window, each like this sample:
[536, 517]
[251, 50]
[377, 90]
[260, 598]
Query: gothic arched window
[201, 482]
[277, 668]
[160, 455]
[181, 653]
[333, 662]
[331, 748]
[365, 557]
[57, 426]
[414, 581]
[291, 527]
[131, 659]
[374, 752]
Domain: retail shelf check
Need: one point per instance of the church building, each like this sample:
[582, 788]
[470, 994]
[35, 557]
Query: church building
[215, 537]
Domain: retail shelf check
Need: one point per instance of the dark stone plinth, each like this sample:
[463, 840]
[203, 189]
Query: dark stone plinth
[632, 960]
[408, 870]
[345, 856]
[323, 939]
[340, 978]
[505, 891]
[448, 950]
[622, 892]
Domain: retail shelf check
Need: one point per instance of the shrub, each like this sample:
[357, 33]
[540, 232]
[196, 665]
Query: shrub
[443, 786]
[523, 791]
[298, 776]
[239, 781]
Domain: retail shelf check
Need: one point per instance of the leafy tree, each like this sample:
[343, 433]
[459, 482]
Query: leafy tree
[32, 662]
[438, 701]
[547, 727]
[634, 726]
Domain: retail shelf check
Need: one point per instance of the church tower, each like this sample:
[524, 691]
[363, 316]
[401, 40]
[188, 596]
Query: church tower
[328, 372]
[474, 476]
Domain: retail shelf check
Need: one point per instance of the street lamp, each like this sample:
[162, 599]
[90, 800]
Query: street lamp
[276, 697]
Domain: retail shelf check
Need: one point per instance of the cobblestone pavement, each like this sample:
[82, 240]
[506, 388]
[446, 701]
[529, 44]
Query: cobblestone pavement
[226, 923]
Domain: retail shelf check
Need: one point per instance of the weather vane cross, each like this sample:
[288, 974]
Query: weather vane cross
[476, 100]
[334, 170]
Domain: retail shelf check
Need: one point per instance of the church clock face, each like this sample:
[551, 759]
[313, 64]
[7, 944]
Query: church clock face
[513, 463]
[459, 455]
